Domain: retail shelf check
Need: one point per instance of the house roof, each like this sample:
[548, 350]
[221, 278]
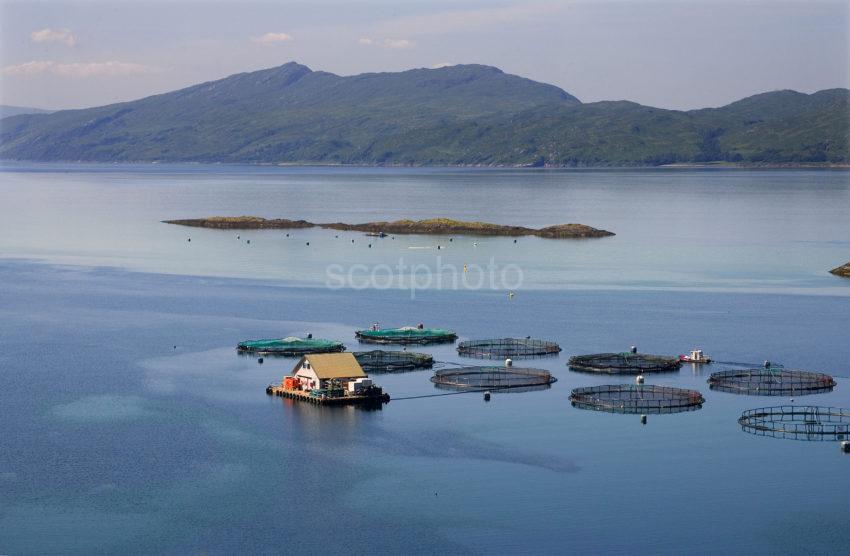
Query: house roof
[333, 365]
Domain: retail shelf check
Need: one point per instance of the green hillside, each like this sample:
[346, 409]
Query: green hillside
[467, 114]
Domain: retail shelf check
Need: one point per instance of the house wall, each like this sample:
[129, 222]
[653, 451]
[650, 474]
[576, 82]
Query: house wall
[310, 381]
[308, 378]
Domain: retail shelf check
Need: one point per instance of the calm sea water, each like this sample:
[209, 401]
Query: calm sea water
[129, 424]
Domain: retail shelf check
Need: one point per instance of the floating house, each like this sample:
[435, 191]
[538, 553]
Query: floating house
[329, 378]
[319, 371]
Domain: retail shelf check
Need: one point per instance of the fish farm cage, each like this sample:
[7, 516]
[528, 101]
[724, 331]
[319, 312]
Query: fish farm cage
[798, 422]
[390, 361]
[291, 346]
[507, 347]
[631, 398]
[624, 363]
[405, 335]
[492, 378]
[771, 381]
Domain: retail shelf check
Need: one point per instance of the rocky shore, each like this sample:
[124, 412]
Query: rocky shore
[843, 270]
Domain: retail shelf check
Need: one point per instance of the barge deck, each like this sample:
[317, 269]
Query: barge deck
[278, 390]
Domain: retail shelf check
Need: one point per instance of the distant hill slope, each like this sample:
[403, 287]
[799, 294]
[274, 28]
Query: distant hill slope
[6, 110]
[466, 114]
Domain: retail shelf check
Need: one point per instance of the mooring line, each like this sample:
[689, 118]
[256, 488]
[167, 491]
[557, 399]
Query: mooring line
[470, 391]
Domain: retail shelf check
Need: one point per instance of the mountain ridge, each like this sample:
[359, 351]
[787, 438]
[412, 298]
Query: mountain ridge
[457, 115]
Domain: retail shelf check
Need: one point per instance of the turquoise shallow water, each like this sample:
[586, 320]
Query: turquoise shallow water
[114, 440]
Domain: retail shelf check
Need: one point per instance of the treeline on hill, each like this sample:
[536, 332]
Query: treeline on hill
[459, 115]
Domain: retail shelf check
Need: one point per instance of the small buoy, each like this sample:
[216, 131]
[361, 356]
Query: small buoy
[237, 237]
[792, 400]
[310, 336]
[643, 419]
[188, 239]
[370, 246]
[639, 379]
[475, 244]
[511, 295]
[487, 396]
[514, 241]
[633, 349]
[509, 362]
[451, 239]
[287, 235]
[248, 241]
[175, 347]
[845, 446]
[308, 243]
[336, 237]
[766, 364]
[352, 241]
[438, 247]
[260, 360]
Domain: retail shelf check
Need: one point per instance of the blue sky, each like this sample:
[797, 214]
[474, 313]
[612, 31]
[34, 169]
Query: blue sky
[680, 55]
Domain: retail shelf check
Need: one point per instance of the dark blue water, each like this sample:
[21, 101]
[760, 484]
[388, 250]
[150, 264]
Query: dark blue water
[115, 441]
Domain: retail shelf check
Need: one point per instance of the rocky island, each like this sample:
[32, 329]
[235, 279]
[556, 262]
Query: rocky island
[843, 271]
[432, 226]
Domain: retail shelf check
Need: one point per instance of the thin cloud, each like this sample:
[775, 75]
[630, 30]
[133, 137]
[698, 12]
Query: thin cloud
[453, 21]
[273, 38]
[386, 43]
[443, 65]
[79, 69]
[63, 36]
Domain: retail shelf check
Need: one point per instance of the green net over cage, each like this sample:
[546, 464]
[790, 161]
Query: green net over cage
[624, 363]
[798, 422]
[492, 378]
[390, 361]
[289, 346]
[771, 381]
[507, 347]
[636, 398]
[405, 335]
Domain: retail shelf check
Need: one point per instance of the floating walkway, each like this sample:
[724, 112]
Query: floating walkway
[380, 361]
[771, 381]
[630, 362]
[498, 348]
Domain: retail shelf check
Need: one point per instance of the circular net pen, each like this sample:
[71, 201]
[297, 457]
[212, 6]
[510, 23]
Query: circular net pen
[392, 361]
[798, 422]
[624, 363]
[507, 347]
[630, 398]
[771, 381]
[492, 378]
[291, 346]
[406, 335]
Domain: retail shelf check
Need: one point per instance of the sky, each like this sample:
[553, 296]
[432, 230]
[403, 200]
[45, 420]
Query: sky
[674, 54]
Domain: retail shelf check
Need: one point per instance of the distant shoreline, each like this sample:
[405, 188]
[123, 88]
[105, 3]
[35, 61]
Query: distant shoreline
[10, 163]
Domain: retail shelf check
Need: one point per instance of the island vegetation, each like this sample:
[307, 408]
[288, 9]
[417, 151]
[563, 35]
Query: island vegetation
[432, 226]
[843, 270]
